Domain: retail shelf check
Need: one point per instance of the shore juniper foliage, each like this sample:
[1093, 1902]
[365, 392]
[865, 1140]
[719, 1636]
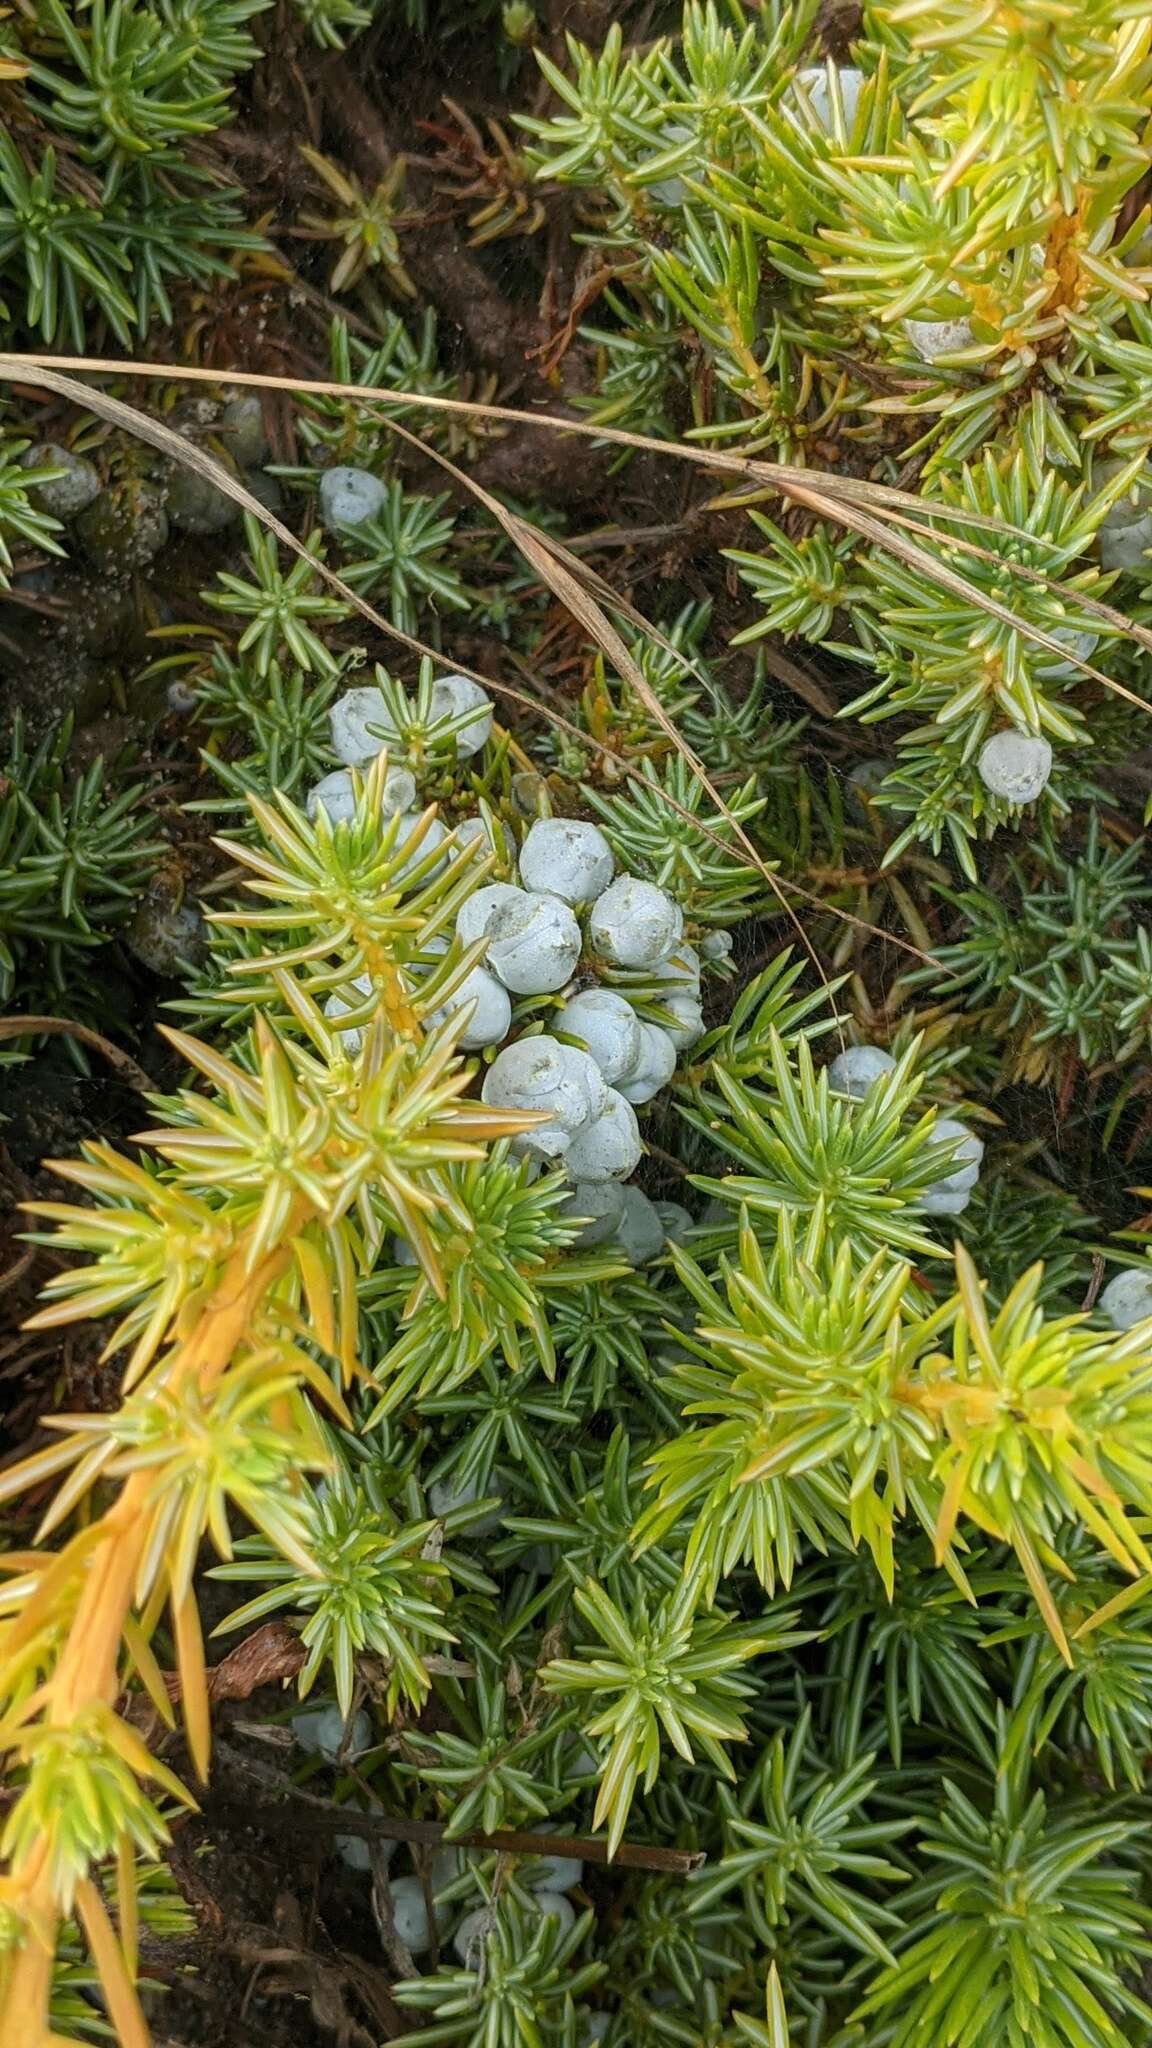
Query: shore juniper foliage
[634, 1259]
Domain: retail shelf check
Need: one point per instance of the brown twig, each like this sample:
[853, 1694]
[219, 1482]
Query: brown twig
[67, 1027]
[300, 1811]
[324, 1817]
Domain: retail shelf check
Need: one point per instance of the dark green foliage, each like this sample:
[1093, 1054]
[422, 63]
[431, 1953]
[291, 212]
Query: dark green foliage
[74, 858]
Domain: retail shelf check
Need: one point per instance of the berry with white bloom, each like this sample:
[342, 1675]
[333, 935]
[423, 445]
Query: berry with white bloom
[635, 924]
[1125, 532]
[197, 505]
[683, 1020]
[1081, 644]
[567, 857]
[360, 725]
[241, 428]
[564, 1083]
[320, 1730]
[356, 1850]
[487, 834]
[949, 1195]
[350, 496]
[534, 943]
[452, 696]
[491, 1020]
[446, 1866]
[411, 1922]
[606, 1026]
[336, 1007]
[557, 1907]
[639, 1233]
[432, 836]
[716, 945]
[552, 1873]
[608, 1148]
[932, 338]
[681, 969]
[814, 79]
[1015, 766]
[1127, 1299]
[596, 2025]
[471, 1935]
[854, 1070]
[654, 1068]
[475, 914]
[943, 1201]
[334, 795]
[676, 1219]
[73, 492]
[446, 1495]
[601, 1204]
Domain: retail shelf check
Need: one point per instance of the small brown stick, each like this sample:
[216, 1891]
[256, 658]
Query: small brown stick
[124, 1064]
[302, 1811]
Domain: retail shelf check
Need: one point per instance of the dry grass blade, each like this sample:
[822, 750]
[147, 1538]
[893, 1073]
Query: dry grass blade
[567, 577]
[556, 567]
[779, 475]
[823, 491]
[886, 536]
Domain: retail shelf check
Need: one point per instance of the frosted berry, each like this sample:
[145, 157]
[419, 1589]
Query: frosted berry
[350, 496]
[557, 1907]
[676, 1219]
[336, 1007]
[653, 1070]
[471, 1935]
[475, 914]
[487, 835]
[683, 1020]
[1125, 532]
[320, 1730]
[640, 1233]
[1015, 766]
[950, 1194]
[1078, 642]
[606, 1026]
[411, 1923]
[814, 79]
[551, 1873]
[452, 696]
[854, 1070]
[635, 924]
[681, 970]
[534, 943]
[541, 1074]
[932, 338]
[356, 1850]
[70, 493]
[491, 1019]
[599, 1205]
[197, 505]
[1127, 1299]
[609, 1147]
[432, 837]
[567, 857]
[335, 796]
[242, 429]
[360, 726]
[945, 1201]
